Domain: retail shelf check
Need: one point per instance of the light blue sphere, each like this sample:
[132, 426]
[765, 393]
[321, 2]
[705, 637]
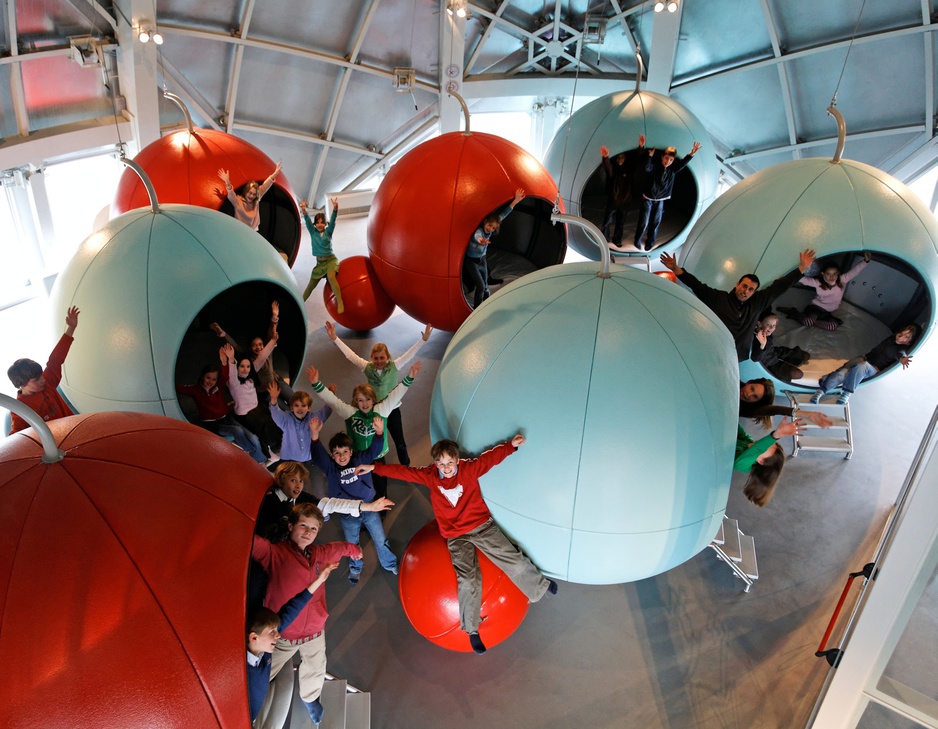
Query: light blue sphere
[761, 224]
[615, 121]
[626, 391]
[139, 282]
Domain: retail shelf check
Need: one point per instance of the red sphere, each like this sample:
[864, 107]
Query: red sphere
[122, 595]
[669, 275]
[183, 168]
[427, 208]
[367, 305]
[428, 592]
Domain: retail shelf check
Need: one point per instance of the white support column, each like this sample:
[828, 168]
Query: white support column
[547, 116]
[664, 37]
[139, 84]
[452, 55]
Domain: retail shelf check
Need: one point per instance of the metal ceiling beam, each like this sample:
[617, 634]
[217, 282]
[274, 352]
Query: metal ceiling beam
[481, 87]
[872, 134]
[16, 73]
[345, 74]
[664, 37]
[620, 18]
[493, 22]
[772, 29]
[181, 88]
[389, 157]
[97, 9]
[690, 80]
[17, 58]
[54, 142]
[305, 137]
[231, 99]
[287, 49]
[918, 162]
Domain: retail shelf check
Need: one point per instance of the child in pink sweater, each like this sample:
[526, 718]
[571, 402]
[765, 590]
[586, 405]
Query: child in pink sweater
[829, 292]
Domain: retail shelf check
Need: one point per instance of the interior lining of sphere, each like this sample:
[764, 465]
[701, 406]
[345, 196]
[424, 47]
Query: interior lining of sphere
[678, 211]
[243, 312]
[280, 223]
[884, 297]
[526, 241]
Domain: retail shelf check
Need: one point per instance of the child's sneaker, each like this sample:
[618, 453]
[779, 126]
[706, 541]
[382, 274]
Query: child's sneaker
[816, 397]
[353, 577]
[844, 397]
[476, 642]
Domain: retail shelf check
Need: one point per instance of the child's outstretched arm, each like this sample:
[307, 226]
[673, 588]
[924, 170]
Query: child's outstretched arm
[359, 362]
[215, 327]
[265, 186]
[266, 351]
[315, 428]
[323, 576]
[410, 353]
[378, 424]
[519, 196]
[274, 318]
[232, 196]
[71, 321]
[329, 397]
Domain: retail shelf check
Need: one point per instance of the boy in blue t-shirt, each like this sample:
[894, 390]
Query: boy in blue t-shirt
[338, 465]
[262, 636]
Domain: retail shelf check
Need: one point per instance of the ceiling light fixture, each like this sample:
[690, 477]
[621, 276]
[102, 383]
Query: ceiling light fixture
[148, 32]
[659, 6]
[672, 6]
[457, 8]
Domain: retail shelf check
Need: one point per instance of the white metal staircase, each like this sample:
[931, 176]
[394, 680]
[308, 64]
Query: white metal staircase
[738, 550]
[836, 439]
[345, 707]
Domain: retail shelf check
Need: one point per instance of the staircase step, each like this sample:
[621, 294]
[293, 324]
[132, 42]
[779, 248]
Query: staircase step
[823, 443]
[334, 702]
[719, 538]
[748, 563]
[836, 422]
[358, 710]
[279, 698]
[731, 546]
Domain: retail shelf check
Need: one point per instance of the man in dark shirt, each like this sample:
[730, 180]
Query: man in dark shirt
[851, 373]
[739, 309]
[659, 184]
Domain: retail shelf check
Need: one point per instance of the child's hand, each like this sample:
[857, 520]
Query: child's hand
[906, 361]
[760, 335]
[426, 333]
[332, 388]
[788, 427]
[364, 468]
[303, 207]
[312, 373]
[335, 203]
[414, 370]
[382, 504]
[71, 317]
[274, 389]
[695, 148]
[518, 441]
[641, 140]
[217, 329]
[519, 196]
[807, 257]
[275, 309]
[670, 262]
[324, 573]
[819, 419]
[357, 554]
[378, 424]
[315, 427]
[229, 351]
[867, 256]
[330, 330]
[223, 174]
[223, 355]
[604, 150]
[276, 171]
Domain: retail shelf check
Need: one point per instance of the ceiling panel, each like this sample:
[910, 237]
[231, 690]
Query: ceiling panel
[718, 32]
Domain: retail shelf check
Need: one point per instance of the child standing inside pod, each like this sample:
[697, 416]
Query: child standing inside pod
[829, 293]
[475, 267]
[327, 265]
[246, 207]
[242, 385]
[763, 460]
[618, 195]
[466, 524]
[659, 185]
[381, 374]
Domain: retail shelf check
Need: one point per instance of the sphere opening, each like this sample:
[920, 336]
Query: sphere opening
[243, 312]
[526, 241]
[280, 221]
[614, 209]
[885, 296]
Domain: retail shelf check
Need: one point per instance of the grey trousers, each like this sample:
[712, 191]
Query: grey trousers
[492, 542]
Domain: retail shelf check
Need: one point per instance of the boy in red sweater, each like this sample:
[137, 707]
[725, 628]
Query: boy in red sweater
[467, 525]
[36, 386]
[291, 566]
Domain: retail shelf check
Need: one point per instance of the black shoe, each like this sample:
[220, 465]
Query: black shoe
[476, 642]
[552, 587]
[353, 577]
[495, 281]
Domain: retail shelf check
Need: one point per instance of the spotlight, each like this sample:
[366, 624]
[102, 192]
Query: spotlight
[158, 38]
[461, 11]
[659, 6]
[144, 36]
[672, 6]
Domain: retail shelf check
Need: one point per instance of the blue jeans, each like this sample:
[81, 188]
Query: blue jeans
[241, 436]
[476, 273]
[649, 218]
[848, 376]
[371, 520]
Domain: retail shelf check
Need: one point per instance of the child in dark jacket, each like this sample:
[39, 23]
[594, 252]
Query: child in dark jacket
[339, 466]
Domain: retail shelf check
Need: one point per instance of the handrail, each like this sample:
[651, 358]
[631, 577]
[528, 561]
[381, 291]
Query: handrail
[51, 453]
[593, 232]
[833, 655]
